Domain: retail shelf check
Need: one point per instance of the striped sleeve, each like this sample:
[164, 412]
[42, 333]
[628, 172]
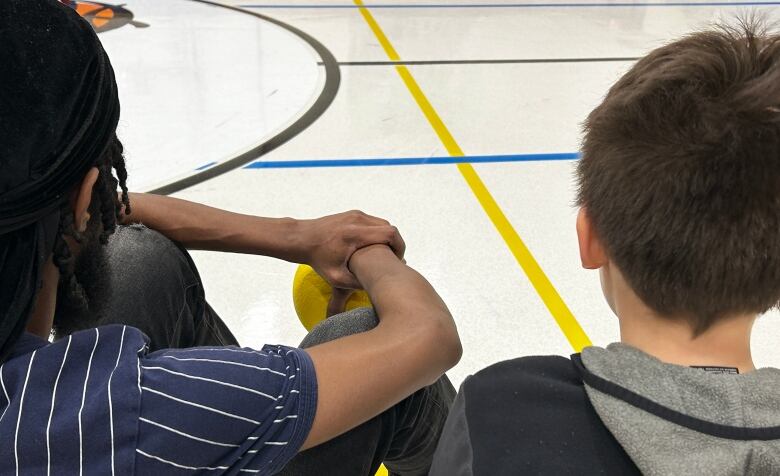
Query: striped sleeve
[223, 409]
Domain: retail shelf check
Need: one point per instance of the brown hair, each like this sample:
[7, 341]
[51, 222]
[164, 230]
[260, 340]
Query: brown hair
[680, 174]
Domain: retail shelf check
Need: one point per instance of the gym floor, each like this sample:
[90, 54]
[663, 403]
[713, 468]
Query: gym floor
[458, 121]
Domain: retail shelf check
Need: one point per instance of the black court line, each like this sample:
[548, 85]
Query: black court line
[329, 90]
[485, 61]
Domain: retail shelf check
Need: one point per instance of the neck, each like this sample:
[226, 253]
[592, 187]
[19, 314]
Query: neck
[671, 340]
[42, 317]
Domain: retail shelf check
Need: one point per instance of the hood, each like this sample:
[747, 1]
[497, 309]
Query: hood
[672, 419]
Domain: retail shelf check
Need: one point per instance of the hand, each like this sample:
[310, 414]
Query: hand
[328, 243]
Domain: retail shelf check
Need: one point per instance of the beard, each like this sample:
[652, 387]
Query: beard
[80, 299]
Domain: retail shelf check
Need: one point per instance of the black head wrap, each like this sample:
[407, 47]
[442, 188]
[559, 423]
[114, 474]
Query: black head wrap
[58, 112]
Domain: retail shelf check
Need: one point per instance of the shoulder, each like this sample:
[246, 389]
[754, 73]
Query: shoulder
[533, 413]
[525, 374]
[522, 391]
[87, 377]
[94, 353]
[102, 342]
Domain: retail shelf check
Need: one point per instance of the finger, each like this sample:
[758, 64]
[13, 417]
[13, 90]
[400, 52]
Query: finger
[397, 243]
[377, 220]
[381, 235]
[393, 239]
[366, 219]
[338, 301]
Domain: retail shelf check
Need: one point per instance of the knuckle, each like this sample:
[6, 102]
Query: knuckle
[351, 230]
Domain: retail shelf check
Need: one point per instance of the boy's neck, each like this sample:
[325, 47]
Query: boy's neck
[725, 344]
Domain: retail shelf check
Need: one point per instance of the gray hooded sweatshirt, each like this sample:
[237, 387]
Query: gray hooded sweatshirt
[612, 411]
[658, 446]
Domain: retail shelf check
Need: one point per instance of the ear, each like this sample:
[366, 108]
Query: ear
[82, 200]
[592, 252]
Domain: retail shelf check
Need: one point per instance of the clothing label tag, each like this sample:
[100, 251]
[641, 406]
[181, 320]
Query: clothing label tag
[717, 370]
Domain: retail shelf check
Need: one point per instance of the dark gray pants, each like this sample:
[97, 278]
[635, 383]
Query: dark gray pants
[156, 288]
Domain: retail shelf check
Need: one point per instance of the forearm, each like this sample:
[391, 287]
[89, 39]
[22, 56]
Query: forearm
[198, 226]
[408, 307]
[362, 375]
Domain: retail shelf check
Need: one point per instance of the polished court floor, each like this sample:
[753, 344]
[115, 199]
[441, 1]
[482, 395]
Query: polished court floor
[457, 120]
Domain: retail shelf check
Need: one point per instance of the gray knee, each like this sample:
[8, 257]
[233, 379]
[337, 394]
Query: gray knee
[147, 271]
[341, 325]
[144, 254]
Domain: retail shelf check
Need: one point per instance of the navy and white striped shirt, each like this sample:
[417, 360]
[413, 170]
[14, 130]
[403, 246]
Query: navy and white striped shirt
[99, 403]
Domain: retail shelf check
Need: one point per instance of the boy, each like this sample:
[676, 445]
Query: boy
[679, 189]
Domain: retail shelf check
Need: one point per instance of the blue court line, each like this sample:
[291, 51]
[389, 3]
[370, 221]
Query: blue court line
[518, 5]
[382, 162]
[205, 166]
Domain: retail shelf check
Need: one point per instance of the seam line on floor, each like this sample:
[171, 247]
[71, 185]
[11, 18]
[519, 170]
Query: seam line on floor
[486, 61]
[547, 292]
[523, 5]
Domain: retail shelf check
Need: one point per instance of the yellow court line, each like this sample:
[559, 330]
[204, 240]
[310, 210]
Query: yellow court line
[380, 35]
[560, 312]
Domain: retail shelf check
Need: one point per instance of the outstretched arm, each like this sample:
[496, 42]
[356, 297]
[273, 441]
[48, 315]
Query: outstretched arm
[416, 341]
[324, 243]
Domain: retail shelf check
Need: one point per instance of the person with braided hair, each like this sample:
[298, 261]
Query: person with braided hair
[111, 359]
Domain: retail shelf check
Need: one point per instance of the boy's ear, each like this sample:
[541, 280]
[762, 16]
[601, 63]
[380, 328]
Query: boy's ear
[82, 199]
[592, 252]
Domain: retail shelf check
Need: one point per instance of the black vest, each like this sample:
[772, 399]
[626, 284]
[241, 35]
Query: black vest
[532, 416]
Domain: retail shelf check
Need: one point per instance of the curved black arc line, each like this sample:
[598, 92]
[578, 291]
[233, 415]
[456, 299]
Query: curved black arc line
[329, 90]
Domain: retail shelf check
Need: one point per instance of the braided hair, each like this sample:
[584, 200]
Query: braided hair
[107, 206]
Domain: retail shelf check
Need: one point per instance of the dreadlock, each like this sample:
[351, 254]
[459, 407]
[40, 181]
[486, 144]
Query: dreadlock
[106, 205]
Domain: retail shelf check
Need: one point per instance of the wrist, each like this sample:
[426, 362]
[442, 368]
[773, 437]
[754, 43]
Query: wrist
[288, 243]
[372, 262]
